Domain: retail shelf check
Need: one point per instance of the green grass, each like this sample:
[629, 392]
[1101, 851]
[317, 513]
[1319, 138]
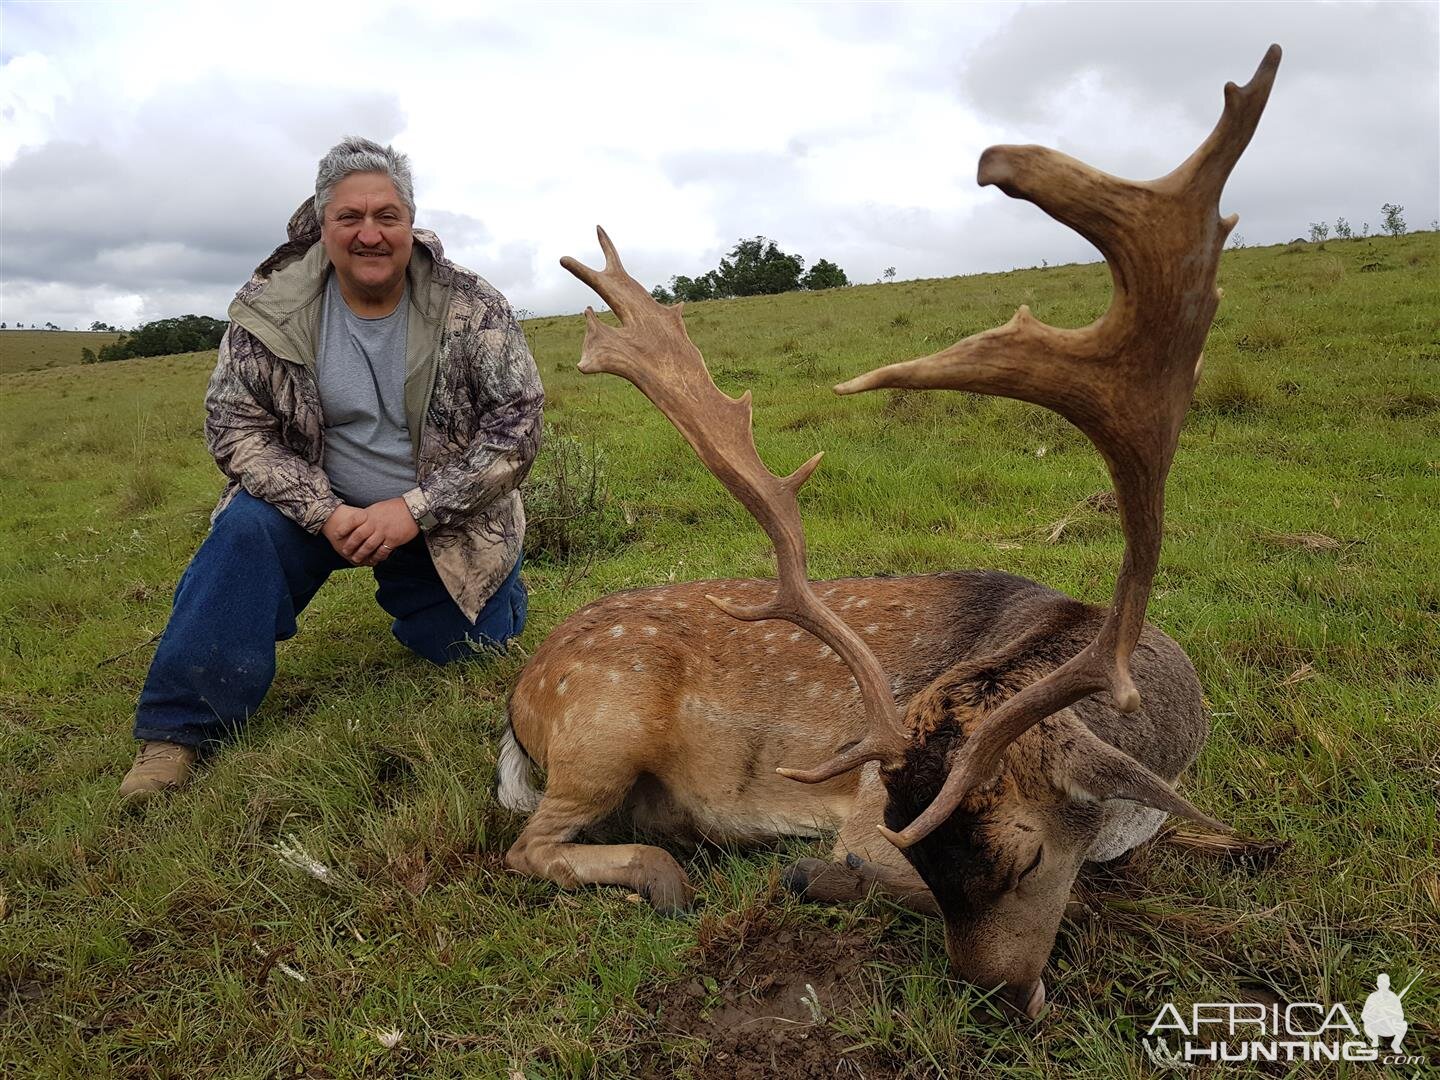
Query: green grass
[36, 350]
[1299, 572]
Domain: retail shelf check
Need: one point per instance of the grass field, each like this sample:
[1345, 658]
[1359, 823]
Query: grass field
[36, 350]
[1298, 572]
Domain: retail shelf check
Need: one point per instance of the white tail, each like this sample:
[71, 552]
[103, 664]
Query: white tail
[515, 786]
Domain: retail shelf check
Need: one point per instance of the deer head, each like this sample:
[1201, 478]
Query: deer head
[996, 786]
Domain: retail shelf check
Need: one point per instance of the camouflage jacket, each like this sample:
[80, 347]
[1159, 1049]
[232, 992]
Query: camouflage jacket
[472, 406]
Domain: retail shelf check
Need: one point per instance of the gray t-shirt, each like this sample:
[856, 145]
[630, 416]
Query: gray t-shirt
[361, 370]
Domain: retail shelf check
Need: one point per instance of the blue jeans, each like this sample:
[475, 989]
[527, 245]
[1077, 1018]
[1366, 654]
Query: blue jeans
[252, 576]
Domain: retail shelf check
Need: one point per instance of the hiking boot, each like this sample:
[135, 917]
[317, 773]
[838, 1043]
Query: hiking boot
[159, 766]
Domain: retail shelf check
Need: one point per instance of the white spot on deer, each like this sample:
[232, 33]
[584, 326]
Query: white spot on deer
[917, 640]
[816, 689]
[794, 676]
[680, 605]
[862, 602]
[768, 635]
[560, 687]
[796, 636]
[617, 630]
[872, 628]
[770, 650]
[637, 666]
[614, 676]
[909, 613]
[651, 631]
[824, 652]
[589, 642]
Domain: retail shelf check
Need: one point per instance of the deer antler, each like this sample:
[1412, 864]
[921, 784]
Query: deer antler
[651, 349]
[1126, 380]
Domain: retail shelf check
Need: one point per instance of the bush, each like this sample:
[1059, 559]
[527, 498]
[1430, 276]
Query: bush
[568, 512]
[1265, 333]
[166, 337]
[701, 288]
[1231, 391]
[824, 275]
[145, 489]
[757, 267]
[754, 267]
[1393, 224]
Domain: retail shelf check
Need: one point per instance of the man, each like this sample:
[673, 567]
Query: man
[374, 405]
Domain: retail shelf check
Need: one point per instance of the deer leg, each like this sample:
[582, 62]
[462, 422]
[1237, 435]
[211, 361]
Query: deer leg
[857, 878]
[546, 848]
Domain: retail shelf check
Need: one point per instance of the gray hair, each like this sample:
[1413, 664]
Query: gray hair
[358, 155]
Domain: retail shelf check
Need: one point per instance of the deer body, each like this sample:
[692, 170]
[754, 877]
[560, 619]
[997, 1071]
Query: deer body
[655, 707]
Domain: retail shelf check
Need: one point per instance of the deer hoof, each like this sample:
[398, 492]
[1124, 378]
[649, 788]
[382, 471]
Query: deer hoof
[669, 894]
[799, 876]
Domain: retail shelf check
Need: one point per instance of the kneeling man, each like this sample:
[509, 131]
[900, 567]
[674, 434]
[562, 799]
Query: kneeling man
[374, 405]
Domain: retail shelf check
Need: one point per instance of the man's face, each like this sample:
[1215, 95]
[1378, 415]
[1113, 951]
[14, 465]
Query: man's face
[366, 233]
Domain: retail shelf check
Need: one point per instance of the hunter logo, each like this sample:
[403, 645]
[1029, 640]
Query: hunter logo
[1236, 1032]
[1384, 1016]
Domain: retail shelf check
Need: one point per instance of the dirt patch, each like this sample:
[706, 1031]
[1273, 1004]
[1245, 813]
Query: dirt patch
[761, 1003]
[1305, 541]
[1413, 404]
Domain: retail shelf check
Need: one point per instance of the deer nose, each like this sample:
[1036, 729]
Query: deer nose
[1026, 999]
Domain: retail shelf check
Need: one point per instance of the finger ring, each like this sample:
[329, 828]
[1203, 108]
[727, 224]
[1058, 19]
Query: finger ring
[385, 547]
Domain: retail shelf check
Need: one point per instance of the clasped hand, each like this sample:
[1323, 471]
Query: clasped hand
[368, 536]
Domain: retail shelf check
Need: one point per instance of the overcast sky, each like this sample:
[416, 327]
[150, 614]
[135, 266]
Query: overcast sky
[150, 154]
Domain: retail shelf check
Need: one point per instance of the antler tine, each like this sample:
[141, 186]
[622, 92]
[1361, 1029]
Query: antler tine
[1210, 166]
[651, 349]
[622, 294]
[1126, 380]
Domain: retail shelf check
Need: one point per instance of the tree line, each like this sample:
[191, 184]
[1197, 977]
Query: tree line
[754, 267]
[164, 337]
[1393, 222]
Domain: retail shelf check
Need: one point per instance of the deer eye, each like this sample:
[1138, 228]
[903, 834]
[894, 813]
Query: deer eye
[1034, 865]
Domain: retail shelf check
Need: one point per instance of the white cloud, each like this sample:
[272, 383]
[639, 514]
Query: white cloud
[156, 151]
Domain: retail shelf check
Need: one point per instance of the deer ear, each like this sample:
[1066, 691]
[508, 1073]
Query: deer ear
[1095, 770]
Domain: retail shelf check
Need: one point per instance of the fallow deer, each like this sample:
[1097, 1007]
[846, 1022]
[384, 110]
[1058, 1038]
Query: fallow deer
[1037, 731]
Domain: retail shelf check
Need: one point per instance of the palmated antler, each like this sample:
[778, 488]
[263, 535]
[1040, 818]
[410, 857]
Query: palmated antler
[652, 350]
[1126, 380]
